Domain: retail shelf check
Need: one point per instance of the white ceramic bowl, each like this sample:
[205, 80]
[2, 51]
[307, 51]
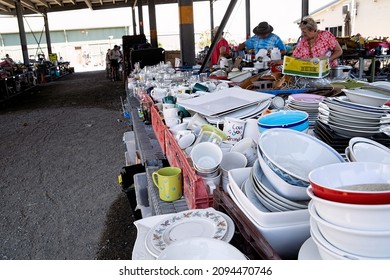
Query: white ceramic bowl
[248, 148]
[327, 250]
[206, 156]
[186, 141]
[365, 243]
[364, 149]
[352, 182]
[366, 96]
[282, 187]
[295, 154]
[201, 248]
[354, 216]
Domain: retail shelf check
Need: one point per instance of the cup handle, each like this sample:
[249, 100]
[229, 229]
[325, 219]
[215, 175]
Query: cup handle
[154, 176]
[211, 187]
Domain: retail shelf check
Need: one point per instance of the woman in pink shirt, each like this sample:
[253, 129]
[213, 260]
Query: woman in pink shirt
[222, 48]
[317, 43]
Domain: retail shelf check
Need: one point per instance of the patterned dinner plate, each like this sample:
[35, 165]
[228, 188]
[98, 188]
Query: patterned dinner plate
[191, 223]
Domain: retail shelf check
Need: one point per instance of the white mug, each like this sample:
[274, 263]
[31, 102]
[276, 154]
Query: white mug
[171, 113]
[158, 93]
[172, 121]
[232, 160]
[234, 129]
[212, 183]
[247, 147]
[252, 129]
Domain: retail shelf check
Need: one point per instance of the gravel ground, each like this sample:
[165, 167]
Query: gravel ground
[61, 152]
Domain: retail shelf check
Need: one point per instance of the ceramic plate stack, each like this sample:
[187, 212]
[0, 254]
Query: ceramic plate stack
[349, 119]
[285, 231]
[305, 102]
[252, 111]
[267, 195]
[206, 223]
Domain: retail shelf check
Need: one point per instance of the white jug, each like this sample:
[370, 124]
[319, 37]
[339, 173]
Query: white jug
[275, 54]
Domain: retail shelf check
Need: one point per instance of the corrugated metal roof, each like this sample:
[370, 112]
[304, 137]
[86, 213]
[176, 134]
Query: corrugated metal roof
[8, 7]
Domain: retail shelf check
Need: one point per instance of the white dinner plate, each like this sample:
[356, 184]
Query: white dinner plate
[323, 109]
[201, 248]
[345, 100]
[347, 110]
[262, 184]
[309, 251]
[350, 132]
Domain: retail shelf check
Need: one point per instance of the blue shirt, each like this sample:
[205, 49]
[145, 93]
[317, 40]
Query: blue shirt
[272, 41]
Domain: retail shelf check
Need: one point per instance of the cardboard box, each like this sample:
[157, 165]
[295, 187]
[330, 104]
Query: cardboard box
[305, 68]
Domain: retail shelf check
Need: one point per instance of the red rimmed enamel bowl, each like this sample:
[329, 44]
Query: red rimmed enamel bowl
[352, 182]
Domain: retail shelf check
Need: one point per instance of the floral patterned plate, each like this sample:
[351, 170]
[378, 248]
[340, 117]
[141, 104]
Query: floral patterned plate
[191, 223]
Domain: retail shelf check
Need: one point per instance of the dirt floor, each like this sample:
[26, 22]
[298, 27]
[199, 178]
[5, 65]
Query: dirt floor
[61, 151]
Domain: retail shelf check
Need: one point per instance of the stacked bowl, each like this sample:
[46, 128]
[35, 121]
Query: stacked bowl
[350, 209]
[206, 159]
[367, 150]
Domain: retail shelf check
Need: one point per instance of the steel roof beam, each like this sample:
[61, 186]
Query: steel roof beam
[89, 4]
[8, 3]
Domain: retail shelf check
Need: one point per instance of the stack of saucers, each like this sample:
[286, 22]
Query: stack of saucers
[305, 102]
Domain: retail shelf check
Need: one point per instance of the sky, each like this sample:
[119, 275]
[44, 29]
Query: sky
[281, 14]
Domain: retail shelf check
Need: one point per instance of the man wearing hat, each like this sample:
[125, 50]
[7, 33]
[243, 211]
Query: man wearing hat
[222, 48]
[263, 39]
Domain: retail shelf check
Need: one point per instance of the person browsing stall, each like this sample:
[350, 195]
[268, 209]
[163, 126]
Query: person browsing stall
[317, 43]
[114, 61]
[222, 48]
[264, 38]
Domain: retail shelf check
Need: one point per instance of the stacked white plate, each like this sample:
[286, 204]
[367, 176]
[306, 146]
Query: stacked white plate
[267, 195]
[305, 102]
[351, 119]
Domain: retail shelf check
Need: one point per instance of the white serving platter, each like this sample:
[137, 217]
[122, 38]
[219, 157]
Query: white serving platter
[224, 101]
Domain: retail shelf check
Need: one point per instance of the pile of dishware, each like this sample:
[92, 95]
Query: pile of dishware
[306, 102]
[349, 210]
[348, 216]
[287, 157]
[355, 117]
[273, 192]
[366, 150]
[206, 159]
[232, 102]
[191, 234]
[285, 231]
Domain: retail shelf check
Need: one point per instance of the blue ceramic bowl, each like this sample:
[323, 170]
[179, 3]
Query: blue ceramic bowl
[296, 120]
